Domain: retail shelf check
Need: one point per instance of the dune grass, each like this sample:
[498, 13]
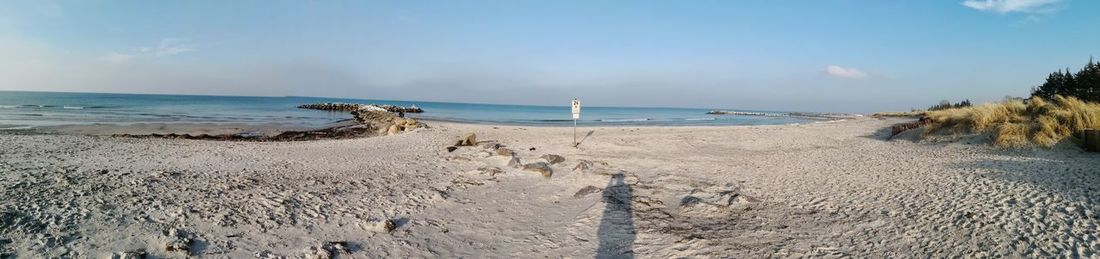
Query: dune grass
[1016, 123]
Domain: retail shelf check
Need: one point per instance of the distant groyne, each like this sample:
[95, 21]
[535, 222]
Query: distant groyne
[823, 116]
[351, 107]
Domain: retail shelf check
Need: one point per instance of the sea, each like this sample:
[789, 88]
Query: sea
[28, 110]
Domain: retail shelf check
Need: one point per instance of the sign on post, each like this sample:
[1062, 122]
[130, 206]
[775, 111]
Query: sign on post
[576, 109]
[576, 116]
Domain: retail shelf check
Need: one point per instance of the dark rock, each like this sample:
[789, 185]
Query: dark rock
[451, 148]
[690, 201]
[531, 149]
[586, 191]
[336, 248]
[539, 167]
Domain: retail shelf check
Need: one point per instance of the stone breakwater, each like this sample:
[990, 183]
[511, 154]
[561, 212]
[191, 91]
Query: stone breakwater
[351, 107]
[385, 123]
[721, 112]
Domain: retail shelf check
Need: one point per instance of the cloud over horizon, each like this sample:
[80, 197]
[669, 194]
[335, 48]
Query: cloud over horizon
[1011, 6]
[165, 47]
[845, 72]
[117, 58]
[170, 46]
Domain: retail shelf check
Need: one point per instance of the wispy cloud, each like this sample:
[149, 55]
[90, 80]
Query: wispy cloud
[170, 46]
[165, 47]
[845, 72]
[1013, 6]
[117, 58]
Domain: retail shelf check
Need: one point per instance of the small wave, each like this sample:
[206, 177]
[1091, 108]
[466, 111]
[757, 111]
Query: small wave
[624, 120]
[15, 127]
[73, 107]
[552, 120]
[9, 106]
[699, 119]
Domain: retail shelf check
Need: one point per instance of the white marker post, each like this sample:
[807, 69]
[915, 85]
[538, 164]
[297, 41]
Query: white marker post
[576, 116]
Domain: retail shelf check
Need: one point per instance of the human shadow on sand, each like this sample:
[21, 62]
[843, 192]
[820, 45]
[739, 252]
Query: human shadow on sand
[616, 231]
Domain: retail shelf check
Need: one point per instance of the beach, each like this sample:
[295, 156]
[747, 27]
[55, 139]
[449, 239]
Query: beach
[832, 189]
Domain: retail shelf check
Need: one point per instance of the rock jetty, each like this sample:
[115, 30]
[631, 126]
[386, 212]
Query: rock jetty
[721, 112]
[351, 107]
[385, 123]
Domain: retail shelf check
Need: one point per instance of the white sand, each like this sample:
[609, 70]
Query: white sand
[823, 190]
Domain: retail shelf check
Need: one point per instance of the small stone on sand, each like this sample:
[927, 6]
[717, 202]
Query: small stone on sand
[539, 167]
[552, 159]
[586, 191]
[380, 226]
[469, 139]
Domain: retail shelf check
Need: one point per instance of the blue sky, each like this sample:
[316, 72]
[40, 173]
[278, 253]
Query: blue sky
[775, 55]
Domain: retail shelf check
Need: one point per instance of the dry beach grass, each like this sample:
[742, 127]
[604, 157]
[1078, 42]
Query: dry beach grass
[818, 190]
[1014, 123]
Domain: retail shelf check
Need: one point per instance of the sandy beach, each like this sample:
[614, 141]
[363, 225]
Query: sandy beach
[821, 190]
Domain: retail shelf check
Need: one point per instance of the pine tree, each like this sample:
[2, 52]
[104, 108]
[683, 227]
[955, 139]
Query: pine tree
[1085, 84]
[1052, 86]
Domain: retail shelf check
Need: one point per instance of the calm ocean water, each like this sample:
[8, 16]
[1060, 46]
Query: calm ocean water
[31, 109]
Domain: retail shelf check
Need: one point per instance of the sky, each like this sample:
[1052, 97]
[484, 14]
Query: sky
[839, 56]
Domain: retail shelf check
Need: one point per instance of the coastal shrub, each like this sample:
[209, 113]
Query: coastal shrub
[1016, 123]
[945, 104]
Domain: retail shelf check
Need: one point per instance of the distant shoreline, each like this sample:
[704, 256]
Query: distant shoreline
[267, 129]
[166, 114]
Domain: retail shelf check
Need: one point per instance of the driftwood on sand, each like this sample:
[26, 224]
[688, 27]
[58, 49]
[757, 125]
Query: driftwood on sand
[902, 127]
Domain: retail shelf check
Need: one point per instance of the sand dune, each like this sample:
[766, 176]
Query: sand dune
[823, 190]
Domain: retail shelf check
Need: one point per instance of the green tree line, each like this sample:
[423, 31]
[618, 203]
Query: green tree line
[945, 104]
[1085, 84]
